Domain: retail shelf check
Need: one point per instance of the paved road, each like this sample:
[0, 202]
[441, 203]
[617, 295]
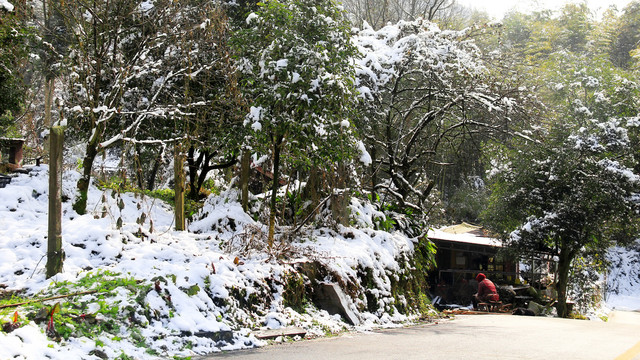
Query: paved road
[473, 337]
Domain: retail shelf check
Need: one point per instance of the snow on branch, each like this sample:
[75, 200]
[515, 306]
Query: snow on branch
[6, 5]
[149, 111]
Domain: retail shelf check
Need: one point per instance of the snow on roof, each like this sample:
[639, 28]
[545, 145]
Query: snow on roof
[464, 233]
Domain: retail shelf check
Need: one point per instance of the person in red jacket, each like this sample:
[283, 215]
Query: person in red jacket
[486, 291]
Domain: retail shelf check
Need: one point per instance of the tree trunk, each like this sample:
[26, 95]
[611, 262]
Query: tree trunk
[340, 197]
[138, 165]
[244, 178]
[49, 88]
[151, 181]
[178, 171]
[313, 188]
[193, 166]
[274, 188]
[55, 256]
[99, 127]
[200, 168]
[564, 265]
[49, 83]
[80, 205]
[374, 178]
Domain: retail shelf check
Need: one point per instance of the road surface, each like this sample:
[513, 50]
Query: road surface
[472, 337]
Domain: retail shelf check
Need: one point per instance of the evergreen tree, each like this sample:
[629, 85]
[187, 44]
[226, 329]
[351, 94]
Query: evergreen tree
[628, 36]
[14, 37]
[569, 186]
[299, 79]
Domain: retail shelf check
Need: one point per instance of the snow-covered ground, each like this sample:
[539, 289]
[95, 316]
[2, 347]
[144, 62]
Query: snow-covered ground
[177, 293]
[623, 278]
[186, 293]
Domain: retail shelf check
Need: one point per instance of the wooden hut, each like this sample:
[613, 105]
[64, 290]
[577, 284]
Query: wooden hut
[11, 154]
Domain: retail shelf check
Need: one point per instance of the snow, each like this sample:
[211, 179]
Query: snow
[254, 116]
[197, 274]
[615, 167]
[282, 63]
[6, 5]
[633, 121]
[146, 6]
[365, 157]
[468, 238]
[623, 278]
[251, 17]
[295, 77]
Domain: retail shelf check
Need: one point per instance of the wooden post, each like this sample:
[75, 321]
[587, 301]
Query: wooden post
[49, 88]
[55, 255]
[244, 178]
[179, 179]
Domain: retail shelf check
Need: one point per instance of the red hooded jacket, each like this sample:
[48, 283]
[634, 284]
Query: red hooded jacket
[486, 289]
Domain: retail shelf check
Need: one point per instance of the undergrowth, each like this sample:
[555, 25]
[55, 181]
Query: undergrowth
[191, 207]
[89, 307]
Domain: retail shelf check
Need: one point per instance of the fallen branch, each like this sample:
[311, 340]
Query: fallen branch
[49, 298]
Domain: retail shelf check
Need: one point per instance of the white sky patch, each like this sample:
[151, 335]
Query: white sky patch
[498, 8]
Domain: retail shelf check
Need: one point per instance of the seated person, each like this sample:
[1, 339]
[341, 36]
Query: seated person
[486, 291]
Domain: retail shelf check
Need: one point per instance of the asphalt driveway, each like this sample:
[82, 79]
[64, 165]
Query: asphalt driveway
[473, 337]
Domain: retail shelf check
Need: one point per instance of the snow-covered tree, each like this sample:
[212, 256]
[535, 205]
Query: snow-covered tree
[570, 188]
[210, 93]
[378, 13]
[299, 79]
[423, 90]
[135, 72]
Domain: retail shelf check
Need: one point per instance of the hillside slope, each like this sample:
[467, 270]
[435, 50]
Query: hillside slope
[158, 292]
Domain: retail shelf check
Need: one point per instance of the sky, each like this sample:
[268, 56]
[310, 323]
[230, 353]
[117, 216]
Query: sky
[497, 8]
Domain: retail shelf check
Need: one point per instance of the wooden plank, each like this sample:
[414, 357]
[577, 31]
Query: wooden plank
[274, 333]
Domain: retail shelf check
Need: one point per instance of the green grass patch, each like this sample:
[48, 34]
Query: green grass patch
[85, 307]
